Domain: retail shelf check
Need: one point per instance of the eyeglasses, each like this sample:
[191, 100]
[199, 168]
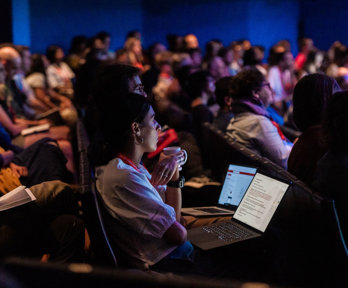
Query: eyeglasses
[266, 84]
[139, 88]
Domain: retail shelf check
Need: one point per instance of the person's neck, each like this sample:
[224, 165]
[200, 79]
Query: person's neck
[134, 154]
[203, 100]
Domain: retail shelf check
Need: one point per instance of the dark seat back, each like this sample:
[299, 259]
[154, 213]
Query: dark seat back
[306, 218]
[100, 244]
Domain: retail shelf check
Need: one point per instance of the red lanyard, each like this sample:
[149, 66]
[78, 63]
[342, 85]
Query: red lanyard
[279, 130]
[128, 161]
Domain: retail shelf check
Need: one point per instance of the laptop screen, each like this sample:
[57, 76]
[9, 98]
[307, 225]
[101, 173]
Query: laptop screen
[260, 201]
[237, 181]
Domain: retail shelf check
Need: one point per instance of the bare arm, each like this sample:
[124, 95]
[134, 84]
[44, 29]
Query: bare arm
[13, 128]
[44, 98]
[176, 234]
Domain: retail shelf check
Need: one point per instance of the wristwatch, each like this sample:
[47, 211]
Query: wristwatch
[178, 183]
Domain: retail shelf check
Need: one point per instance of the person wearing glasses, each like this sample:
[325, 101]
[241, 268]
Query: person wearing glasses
[252, 126]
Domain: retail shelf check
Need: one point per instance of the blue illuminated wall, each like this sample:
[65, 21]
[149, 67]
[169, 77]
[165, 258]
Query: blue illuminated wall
[39, 23]
[21, 22]
[56, 22]
[325, 21]
[263, 22]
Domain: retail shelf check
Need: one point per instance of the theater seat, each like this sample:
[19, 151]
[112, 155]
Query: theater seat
[307, 219]
[102, 251]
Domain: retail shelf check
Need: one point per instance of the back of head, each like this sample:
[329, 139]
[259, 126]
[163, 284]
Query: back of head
[9, 53]
[196, 83]
[51, 53]
[103, 35]
[310, 98]
[245, 82]
[111, 84]
[250, 57]
[336, 122]
[222, 89]
[37, 64]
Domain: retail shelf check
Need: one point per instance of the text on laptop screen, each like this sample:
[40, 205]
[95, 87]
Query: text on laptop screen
[237, 181]
[260, 201]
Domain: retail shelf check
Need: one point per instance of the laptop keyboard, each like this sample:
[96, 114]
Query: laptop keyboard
[227, 231]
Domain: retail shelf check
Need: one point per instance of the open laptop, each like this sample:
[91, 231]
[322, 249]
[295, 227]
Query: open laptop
[237, 181]
[251, 218]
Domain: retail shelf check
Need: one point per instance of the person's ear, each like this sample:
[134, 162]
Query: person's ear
[135, 128]
[256, 94]
[228, 101]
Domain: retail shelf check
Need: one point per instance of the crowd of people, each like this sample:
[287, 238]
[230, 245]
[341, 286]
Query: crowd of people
[287, 109]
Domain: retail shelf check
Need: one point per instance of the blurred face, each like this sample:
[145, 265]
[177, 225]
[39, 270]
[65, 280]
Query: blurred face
[228, 57]
[106, 44]
[211, 86]
[59, 55]
[288, 60]
[149, 130]
[135, 86]
[217, 68]
[266, 94]
[2, 74]
[191, 41]
[16, 66]
[196, 58]
[137, 49]
[26, 61]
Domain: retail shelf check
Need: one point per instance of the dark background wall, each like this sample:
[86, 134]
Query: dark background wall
[39, 23]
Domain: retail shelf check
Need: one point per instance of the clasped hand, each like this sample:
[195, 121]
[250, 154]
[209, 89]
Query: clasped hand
[18, 170]
[167, 168]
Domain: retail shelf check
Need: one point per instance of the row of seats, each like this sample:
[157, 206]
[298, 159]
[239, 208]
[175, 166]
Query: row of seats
[308, 219]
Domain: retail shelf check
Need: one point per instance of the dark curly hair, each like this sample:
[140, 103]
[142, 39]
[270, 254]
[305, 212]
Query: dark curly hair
[245, 82]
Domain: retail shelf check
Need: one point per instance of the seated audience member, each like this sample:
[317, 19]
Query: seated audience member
[42, 161]
[59, 74]
[282, 79]
[237, 62]
[48, 229]
[102, 41]
[311, 95]
[196, 56]
[126, 79]
[150, 77]
[22, 99]
[143, 239]
[224, 99]
[14, 126]
[226, 55]
[212, 49]
[134, 50]
[37, 80]
[330, 177]
[201, 88]
[253, 58]
[85, 78]
[25, 54]
[51, 224]
[305, 46]
[217, 68]
[252, 125]
[77, 52]
[190, 41]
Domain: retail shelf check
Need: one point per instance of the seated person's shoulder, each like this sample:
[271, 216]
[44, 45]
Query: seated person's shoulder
[118, 173]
